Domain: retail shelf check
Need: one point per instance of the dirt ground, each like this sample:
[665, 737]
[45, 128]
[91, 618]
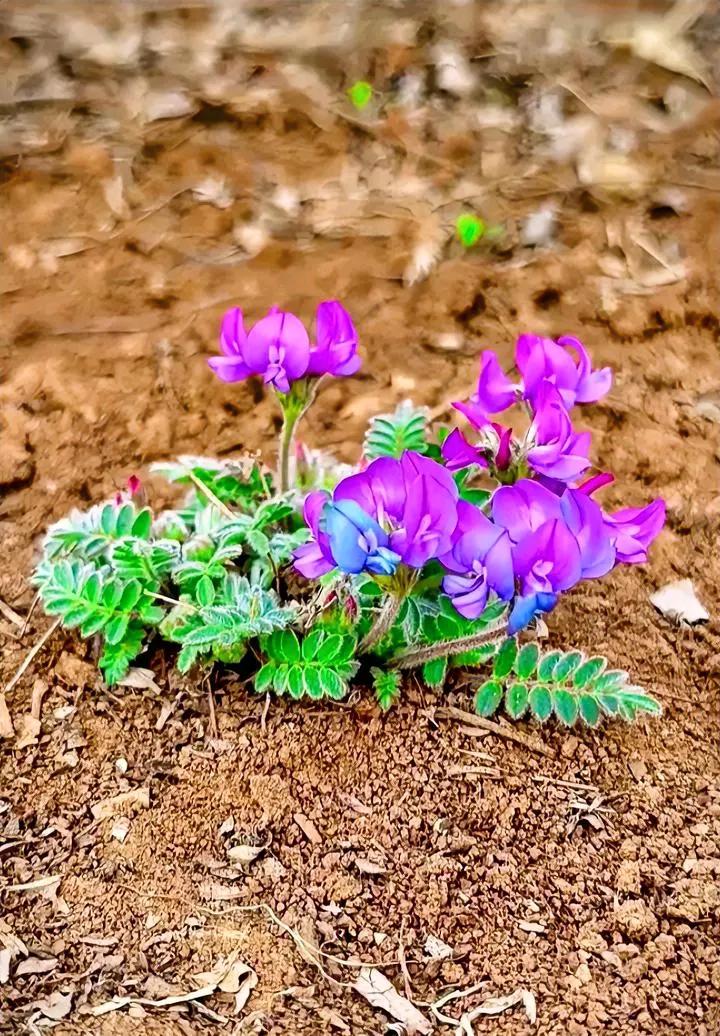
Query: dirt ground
[588, 874]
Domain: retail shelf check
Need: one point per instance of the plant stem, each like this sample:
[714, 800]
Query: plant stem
[443, 648]
[383, 621]
[294, 406]
[287, 435]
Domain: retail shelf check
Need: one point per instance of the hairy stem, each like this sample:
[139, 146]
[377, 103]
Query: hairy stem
[444, 648]
[383, 621]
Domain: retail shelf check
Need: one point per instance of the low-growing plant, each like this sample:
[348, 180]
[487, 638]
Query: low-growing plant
[437, 552]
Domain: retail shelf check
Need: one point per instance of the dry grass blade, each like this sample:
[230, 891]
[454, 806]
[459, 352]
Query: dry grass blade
[35, 650]
[450, 712]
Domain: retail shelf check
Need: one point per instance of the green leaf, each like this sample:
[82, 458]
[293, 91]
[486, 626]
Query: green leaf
[505, 659]
[469, 229]
[589, 710]
[116, 658]
[587, 673]
[116, 629]
[333, 686]
[264, 678]
[314, 686]
[434, 673]
[566, 666]
[389, 435]
[295, 681]
[526, 661]
[516, 700]
[313, 644]
[488, 697]
[283, 646]
[142, 524]
[360, 93]
[540, 702]
[547, 665]
[565, 706]
[205, 591]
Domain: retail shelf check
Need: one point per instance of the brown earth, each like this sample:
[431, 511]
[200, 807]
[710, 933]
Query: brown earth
[589, 874]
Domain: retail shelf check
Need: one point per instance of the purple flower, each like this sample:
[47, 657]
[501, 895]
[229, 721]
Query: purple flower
[542, 360]
[315, 558]
[495, 391]
[278, 349]
[335, 351]
[633, 529]
[479, 560]
[546, 563]
[554, 449]
[555, 542]
[395, 511]
[585, 520]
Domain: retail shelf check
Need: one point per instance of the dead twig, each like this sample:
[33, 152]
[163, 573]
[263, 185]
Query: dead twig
[450, 712]
[31, 655]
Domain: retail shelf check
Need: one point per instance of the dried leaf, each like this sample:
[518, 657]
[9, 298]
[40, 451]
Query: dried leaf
[36, 966]
[28, 731]
[534, 927]
[56, 1006]
[120, 829]
[679, 603]
[118, 1002]
[369, 866]
[380, 992]
[137, 798]
[500, 1004]
[244, 854]
[5, 958]
[34, 886]
[213, 190]
[429, 240]
[142, 679]
[436, 949]
[308, 828]
[114, 194]
[6, 725]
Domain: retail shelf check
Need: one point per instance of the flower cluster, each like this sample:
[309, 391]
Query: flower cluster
[540, 532]
[552, 381]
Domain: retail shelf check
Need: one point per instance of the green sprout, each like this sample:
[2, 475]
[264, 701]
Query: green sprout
[360, 93]
[469, 229]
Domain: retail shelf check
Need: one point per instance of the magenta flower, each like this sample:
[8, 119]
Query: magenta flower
[277, 347]
[542, 360]
[335, 350]
[633, 529]
[393, 512]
